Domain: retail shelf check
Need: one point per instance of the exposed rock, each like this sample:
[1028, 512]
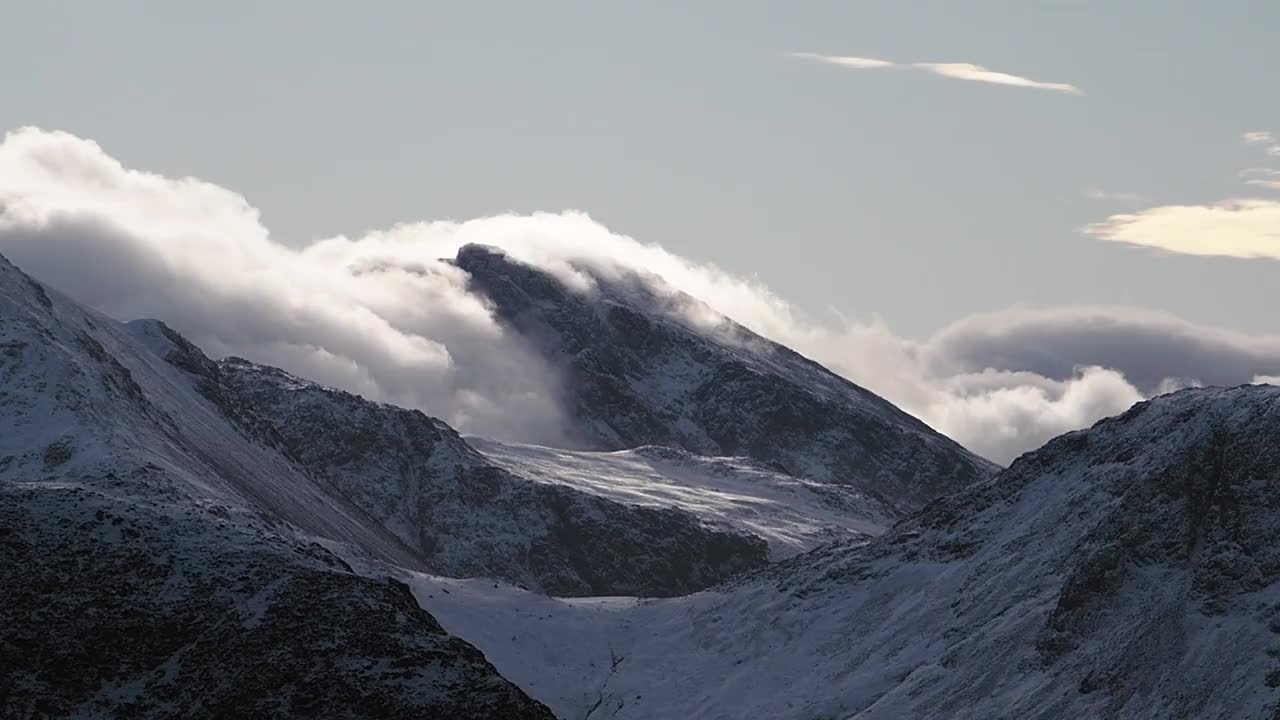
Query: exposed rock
[647, 365]
[1131, 570]
[467, 517]
[161, 558]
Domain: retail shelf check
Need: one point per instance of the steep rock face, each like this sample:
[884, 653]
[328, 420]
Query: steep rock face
[159, 553]
[116, 608]
[467, 517]
[1131, 570]
[646, 365]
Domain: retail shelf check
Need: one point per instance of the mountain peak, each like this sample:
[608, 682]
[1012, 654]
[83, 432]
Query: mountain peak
[645, 364]
[478, 252]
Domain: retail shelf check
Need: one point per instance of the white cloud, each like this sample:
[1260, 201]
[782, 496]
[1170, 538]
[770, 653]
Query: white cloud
[1125, 197]
[1258, 137]
[977, 73]
[956, 71]
[1241, 228]
[1268, 178]
[387, 320]
[382, 315]
[1245, 228]
[1265, 138]
[858, 63]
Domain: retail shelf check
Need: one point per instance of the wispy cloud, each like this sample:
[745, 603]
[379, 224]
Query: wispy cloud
[858, 63]
[1265, 138]
[977, 73]
[1241, 228]
[955, 71]
[1126, 197]
[1262, 177]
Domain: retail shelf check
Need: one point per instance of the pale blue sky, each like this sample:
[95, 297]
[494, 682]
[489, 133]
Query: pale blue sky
[920, 198]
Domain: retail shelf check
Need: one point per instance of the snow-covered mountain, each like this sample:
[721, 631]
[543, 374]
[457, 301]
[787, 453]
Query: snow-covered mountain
[791, 514]
[1131, 570]
[184, 536]
[466, 516]
[161, 555]
[647, 365]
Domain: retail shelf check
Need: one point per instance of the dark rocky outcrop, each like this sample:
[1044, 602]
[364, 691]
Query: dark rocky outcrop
[468, 517]
[647, 365]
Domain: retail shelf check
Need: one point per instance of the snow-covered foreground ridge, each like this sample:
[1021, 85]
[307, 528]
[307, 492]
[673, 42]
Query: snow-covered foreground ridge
[1131, 570]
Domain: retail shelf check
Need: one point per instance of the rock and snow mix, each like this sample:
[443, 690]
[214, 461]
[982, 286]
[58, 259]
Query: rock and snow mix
[1128, 571]
[186, 536]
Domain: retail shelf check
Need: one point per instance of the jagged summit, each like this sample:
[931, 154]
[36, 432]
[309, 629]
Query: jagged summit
[647, 365]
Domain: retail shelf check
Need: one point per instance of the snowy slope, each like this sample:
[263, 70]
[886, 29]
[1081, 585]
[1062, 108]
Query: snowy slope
[83, 395]
[161, 555]
[1128, 571]
[467, 517]
[647, 365]
[791, 514]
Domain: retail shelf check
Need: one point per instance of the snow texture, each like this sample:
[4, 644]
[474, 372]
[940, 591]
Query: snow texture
[160, 554]
[466, 517]
[1128, 571]
[647, 365]
[791, 514]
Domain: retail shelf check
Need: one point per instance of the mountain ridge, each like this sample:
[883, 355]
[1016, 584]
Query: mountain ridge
[1128, 570]
[639, 372]
[160, 556]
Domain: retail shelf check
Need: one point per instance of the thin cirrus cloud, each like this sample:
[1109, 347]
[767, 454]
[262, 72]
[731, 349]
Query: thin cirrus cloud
[1262, 177]
[1123, 197]
[1265, 138]
[955, 71]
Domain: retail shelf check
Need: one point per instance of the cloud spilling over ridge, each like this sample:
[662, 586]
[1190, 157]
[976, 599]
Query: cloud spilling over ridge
[953, 70]
[390, 321]
[383, 316]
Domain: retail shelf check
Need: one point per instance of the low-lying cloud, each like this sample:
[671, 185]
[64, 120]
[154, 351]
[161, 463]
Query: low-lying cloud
[953, 70]
[385, 319]
[384, 316]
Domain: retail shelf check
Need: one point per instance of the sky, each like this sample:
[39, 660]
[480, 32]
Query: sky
[964, 206]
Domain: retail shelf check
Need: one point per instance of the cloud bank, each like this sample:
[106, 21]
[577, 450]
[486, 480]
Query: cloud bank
[384, 316]
[955, 71]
